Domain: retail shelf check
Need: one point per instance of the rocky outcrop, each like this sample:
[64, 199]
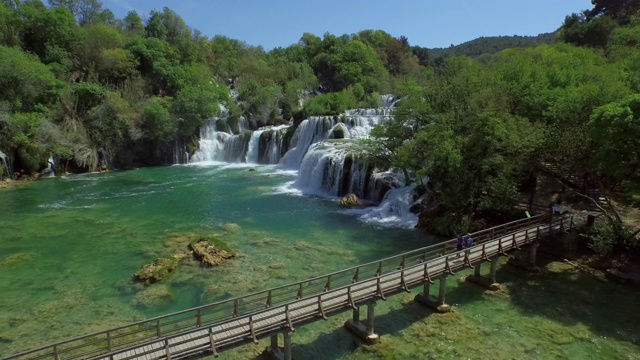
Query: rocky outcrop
[209, 254]
[350, 201]
[156, 271]
[209, 250]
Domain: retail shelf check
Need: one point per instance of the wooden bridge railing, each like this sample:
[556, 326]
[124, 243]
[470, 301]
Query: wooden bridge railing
[93, 345]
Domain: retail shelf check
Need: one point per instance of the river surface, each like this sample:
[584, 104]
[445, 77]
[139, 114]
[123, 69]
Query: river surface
[69, 247]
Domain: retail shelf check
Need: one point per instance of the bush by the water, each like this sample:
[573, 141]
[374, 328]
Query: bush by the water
[612, 238]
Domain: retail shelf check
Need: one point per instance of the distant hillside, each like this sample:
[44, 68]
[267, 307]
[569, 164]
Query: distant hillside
[491, 45]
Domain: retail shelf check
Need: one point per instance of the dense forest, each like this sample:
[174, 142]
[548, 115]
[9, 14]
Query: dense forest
[491, 45]
[96, 91]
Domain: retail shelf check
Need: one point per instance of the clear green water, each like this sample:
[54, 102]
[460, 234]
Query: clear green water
[69, 247]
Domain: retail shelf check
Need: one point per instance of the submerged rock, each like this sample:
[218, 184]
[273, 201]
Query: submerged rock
[209, 254]
[154, 296]
[14, 259]
[156, 271]
[231, 228]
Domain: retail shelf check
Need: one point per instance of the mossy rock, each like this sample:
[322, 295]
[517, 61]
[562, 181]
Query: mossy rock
[222, 125]
[156, 271]
[209, 254]
[339, 132]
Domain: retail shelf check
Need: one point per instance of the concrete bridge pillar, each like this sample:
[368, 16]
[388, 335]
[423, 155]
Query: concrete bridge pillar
[438, 304]
[274, 352]
[492, 272]
[287, 345]
[365, 330]
[533, 253]
[488, 282]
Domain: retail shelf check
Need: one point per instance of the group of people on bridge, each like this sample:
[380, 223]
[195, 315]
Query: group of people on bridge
[464, 242]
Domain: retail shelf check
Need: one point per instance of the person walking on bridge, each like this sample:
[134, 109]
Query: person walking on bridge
[468, 243]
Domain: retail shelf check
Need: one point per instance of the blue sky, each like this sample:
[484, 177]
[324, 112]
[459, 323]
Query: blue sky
[428, 23]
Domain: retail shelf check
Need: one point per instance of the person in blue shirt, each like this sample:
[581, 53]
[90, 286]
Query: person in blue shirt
[468, 241]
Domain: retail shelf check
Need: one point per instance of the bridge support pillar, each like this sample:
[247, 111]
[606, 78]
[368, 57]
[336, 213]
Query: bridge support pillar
[438, 304]
[287, 345]
[365, 330]
[488, 282]
[533, 253]
[492, 272]
[274, 352]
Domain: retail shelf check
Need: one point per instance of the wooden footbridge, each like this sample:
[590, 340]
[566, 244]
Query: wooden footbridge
[219, 326]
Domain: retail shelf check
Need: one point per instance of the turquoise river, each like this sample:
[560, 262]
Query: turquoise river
[69, 247]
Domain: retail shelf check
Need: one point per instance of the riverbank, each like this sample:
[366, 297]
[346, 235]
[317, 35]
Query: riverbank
[559, 313]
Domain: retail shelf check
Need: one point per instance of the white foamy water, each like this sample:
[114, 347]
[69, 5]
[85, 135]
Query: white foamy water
[318, 163]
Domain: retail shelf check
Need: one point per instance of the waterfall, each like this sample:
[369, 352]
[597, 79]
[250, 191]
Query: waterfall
[49, 170]
[320, 149]
[312, 130]
[253, 152]
[211, 144]
[321, 171]
[275, 144]
[5, 165]
[394, 210]
[388, 100]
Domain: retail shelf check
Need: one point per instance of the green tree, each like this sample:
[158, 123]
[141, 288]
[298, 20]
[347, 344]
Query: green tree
[132, 23]
[157, 121]
[27, 83]
[615, 130]
[85, 11]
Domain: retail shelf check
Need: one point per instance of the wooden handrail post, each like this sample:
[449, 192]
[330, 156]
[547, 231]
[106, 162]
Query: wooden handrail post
[327, 286]
[158, 330]
[269, 300]
[300, 292]
[167, 349]
[55, 352]
[212, 343]
[356, 276]
[199, 318]
[236, 307]
[108, 341]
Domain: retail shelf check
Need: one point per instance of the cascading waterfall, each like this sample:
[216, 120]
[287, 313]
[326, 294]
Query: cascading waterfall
[394, 210]
[211, 144]
[319, 150]
[48, 171]
[274, 144]
[312, 130]
[253, 151]
[5, 165]
[321, 172]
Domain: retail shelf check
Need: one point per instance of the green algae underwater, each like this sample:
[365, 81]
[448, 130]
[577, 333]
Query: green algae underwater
[69, 248]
